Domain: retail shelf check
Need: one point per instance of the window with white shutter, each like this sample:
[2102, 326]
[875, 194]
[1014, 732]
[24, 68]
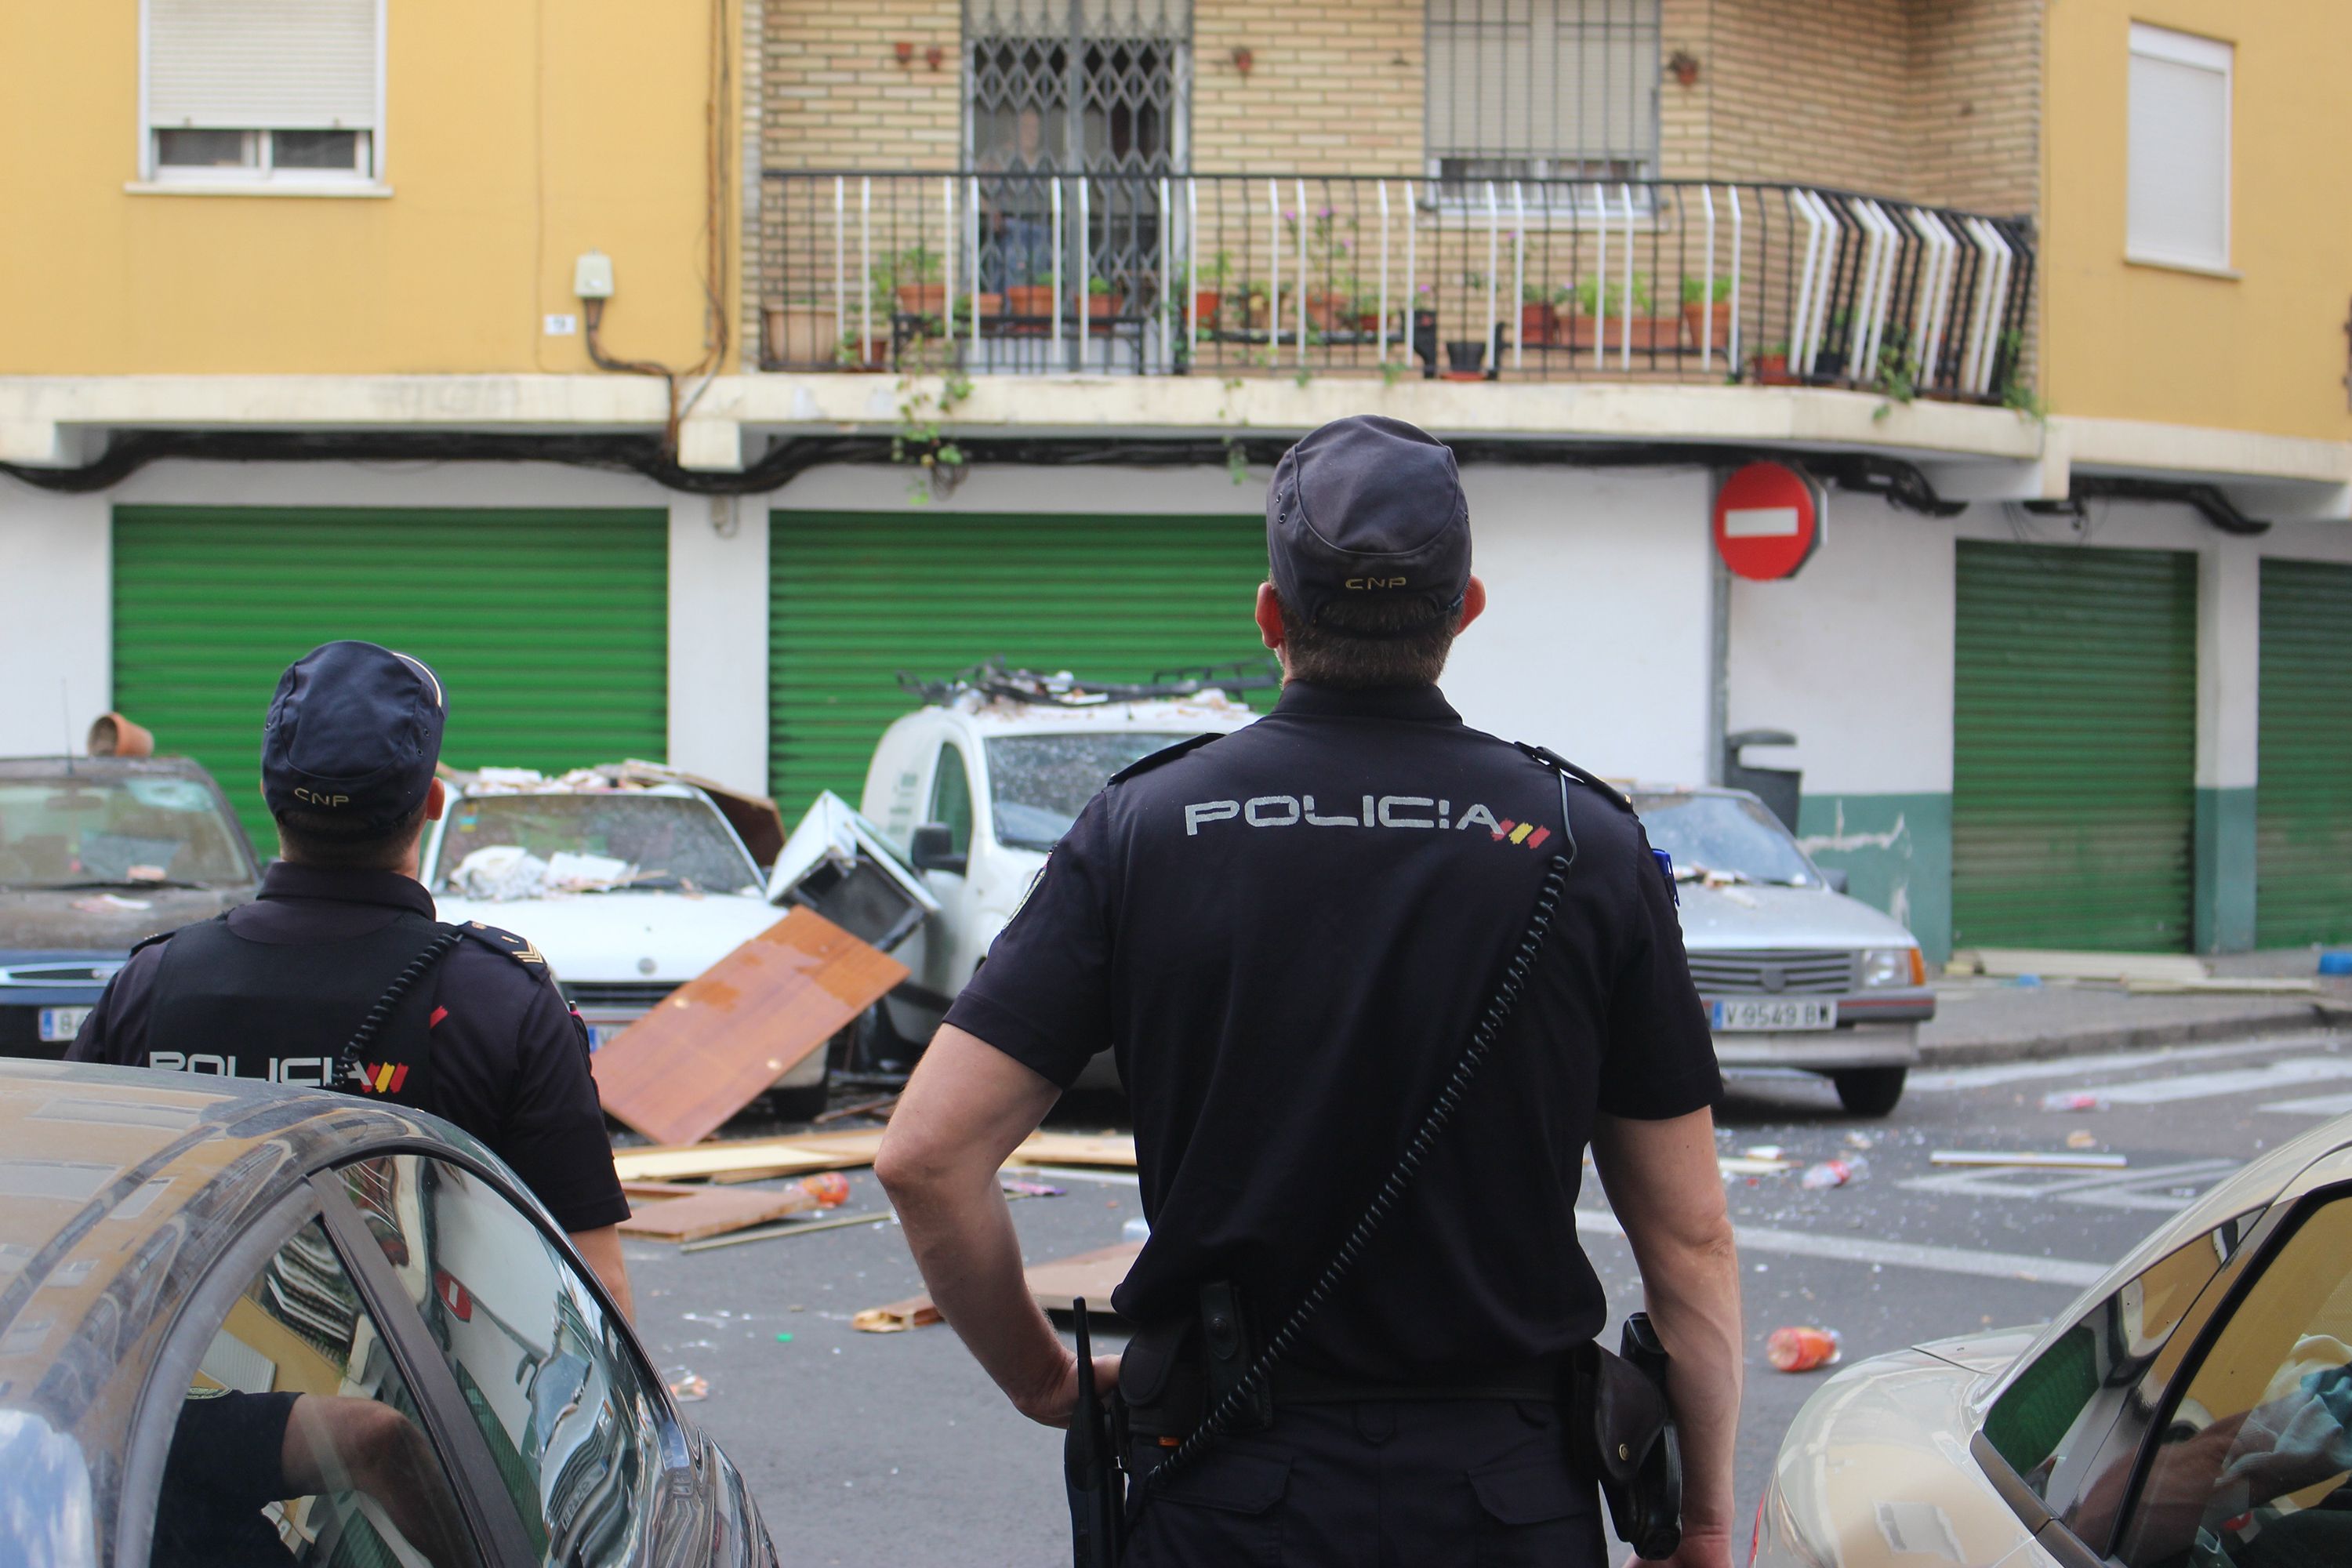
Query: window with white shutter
[2178, 198]
[1542, 90]
[282, 93]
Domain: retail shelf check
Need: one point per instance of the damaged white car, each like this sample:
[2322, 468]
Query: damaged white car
[630, 887]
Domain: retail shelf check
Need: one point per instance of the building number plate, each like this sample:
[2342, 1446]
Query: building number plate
[1768, 1015]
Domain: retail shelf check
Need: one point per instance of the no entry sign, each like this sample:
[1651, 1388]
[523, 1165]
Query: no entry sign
[1765, 520]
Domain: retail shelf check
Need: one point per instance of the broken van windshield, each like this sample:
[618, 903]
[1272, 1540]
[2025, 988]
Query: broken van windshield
[675, 842]
[1039, 784]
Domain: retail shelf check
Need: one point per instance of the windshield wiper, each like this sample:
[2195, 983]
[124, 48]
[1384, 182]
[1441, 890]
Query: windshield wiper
[84, 887]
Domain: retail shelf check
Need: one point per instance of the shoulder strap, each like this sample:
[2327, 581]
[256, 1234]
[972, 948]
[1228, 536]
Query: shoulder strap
[1164, 754]
[147, 941]
[506, 945]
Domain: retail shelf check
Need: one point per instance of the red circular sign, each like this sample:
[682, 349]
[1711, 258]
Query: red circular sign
[1765, 524]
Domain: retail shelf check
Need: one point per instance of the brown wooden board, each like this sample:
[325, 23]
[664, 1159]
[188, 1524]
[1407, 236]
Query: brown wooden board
[713, 1210]
[748, 1159]
[1056, 1284]
[1076, 1149]
[717, 1041]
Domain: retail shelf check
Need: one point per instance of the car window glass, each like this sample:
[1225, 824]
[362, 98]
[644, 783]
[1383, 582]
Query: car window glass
[1037, 784]
[508, 846]
[574, 1422]
[2059, 1408]
[951, 797]
[298, 1441]
[67, 831]
[2252, 1465]
[1723, 836]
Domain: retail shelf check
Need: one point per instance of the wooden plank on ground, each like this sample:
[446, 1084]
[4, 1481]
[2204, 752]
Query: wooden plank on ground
[661, 1189]
[1092, 1275]
[712, 1211]
[1076, 1149]
[751, 1161]
[719, 1039]
[2008, 962]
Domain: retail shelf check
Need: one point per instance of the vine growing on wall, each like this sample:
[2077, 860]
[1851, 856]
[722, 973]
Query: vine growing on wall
[921, 440]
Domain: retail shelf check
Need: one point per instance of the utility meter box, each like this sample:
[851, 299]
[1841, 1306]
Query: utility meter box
[592, 276]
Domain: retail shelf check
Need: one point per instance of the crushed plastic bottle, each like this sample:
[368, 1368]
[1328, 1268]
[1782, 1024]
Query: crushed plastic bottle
[1804, 1349]
[1833, 1174]
[827, 1190]
[2073, 1100]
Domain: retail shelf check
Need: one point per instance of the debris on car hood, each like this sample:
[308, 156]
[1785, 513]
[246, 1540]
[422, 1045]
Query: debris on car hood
[836, 863]
[754, 817]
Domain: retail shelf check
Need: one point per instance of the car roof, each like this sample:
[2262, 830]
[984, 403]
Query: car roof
[601, 791]
[998, 716]
[102, 767]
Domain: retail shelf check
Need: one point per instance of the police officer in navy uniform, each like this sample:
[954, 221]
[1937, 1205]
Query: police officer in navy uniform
[275, 989]
[1285, 936]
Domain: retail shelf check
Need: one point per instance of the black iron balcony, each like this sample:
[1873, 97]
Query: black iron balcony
[1234, 274]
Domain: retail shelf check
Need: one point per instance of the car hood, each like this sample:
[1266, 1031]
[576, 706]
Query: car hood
[1754, 916]
[106, 919]
[1875, 1472]
[625, 936]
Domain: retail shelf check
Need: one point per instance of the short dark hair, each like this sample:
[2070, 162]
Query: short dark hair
[317, 838]
[1370, 642]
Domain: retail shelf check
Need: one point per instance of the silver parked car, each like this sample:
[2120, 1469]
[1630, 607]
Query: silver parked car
[246, 1323]
[1793, 972]
[2194, 1409]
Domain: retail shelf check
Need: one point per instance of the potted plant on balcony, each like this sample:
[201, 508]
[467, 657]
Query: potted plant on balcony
[1209, 289]
[1587, 325]
[1102, 301]
[916, 275]
[1538, 315]
[1701, 298]
[1770, 364]
[799, 333]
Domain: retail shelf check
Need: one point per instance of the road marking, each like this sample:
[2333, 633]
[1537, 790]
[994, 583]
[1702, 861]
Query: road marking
[2148, 1188]
[2314, 1105]
[1895, 1254]
[2109, 1061]
[2215, 1085]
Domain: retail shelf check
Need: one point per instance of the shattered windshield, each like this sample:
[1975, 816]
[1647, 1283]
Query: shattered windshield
[82, 832]
[1039, 784]
[1721, 837]
[528, 846]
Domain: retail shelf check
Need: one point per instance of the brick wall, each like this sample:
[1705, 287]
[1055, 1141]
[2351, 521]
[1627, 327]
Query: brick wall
[836, 96]
[1976, 110]
[1334, 85]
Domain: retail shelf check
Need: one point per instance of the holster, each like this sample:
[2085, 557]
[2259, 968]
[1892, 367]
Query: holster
[1622, 1434]
[1173, 1374]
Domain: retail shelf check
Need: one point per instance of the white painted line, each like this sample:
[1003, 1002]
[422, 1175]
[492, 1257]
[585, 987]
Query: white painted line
[1895, 1254]
[1759, 522]
[2150, 1188]
[2112, 1061]
[2314, 1105]
[2215, 1085]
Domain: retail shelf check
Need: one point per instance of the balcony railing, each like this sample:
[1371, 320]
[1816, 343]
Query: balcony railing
[1233, 274]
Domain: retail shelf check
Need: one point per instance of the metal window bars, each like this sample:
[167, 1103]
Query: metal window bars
[1161, 273]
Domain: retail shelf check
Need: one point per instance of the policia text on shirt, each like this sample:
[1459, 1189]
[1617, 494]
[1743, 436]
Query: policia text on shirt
[1285, 936]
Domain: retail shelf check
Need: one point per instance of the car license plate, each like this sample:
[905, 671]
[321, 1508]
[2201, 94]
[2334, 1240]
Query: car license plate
[62, 1023]
[1771, 1015]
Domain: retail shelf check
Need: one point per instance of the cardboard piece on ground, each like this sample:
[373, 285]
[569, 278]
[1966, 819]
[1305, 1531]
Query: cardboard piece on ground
[1093, 1275]
[914, 1312]
[2050, 964]
[716, 1042]
[710, 1211]
[1076, 1149]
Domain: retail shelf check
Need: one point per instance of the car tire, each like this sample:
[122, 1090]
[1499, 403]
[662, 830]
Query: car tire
[800, 1104]
[1869, 1091]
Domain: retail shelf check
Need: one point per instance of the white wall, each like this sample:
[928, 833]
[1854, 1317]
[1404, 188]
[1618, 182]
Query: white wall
[1852, 655]
[719, 638]
[57, 600]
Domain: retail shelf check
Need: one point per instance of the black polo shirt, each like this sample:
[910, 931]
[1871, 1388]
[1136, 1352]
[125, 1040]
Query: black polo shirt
[510, 1056]
[1284, 935]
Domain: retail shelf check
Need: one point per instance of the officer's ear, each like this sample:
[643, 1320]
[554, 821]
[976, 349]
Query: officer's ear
[1473, 604]
[436, 798]
[1269, 617]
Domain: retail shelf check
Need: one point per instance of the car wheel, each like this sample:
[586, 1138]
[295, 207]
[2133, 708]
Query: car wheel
[800, 1104]
[1869, 1091]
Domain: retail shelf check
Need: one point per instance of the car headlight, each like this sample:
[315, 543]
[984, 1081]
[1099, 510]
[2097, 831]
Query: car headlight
[1884, 966]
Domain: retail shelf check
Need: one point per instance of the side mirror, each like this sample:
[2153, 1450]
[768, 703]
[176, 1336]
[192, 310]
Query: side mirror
[932, 848]
[1835, 877]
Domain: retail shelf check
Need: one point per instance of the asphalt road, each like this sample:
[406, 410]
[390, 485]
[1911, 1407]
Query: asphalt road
[868, 1448]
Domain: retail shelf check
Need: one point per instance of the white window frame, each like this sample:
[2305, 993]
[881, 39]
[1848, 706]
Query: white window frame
[2175, 48]
[259, 179]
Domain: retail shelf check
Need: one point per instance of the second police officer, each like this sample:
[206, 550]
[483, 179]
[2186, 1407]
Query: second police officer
[278, 987]
[1284, 934]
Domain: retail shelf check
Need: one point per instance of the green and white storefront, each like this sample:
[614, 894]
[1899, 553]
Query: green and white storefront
[2125, 729]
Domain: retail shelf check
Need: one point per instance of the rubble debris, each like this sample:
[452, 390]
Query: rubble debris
[2073, 1100]
[881, 1106]
[2079, 1138]
[1076, 1149]
[1753, 1164]
[754, 817]
[1833, 1174]
[837, 863]
[690, 1387]
[1018, 1187]
[787, 1227]
[1804, 1349]
[730, 1160]
[1055, 1285]
[714, 1211]
[2014, 962]
[2027, 1158]
[719, 1040]
[915, 1312]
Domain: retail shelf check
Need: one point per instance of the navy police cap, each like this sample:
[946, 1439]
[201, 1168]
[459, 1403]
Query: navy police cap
[1368, 506]
[353, 733]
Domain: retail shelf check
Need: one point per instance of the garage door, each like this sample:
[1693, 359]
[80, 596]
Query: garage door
[2074, 743]
[858, 597]
[549, 628]
[2303, 796]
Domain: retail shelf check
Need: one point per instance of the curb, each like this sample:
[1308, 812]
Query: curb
[2131, 1038]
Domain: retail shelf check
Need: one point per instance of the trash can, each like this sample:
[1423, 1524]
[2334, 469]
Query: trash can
[1780, 789]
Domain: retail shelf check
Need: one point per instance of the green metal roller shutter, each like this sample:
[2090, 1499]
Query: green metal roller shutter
[2302, 796]
[858, 597]
[549, 628]
[2074, 747]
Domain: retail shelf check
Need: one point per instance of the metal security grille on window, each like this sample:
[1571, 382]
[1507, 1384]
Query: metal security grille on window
[1542, 89]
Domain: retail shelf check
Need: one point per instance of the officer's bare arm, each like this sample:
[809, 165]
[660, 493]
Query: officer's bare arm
[1663, 1181]
[335, 1443]
[601, 1248]
[966, 1108]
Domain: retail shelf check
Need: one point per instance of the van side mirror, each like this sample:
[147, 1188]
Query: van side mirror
[1835, 877]
[932, 848]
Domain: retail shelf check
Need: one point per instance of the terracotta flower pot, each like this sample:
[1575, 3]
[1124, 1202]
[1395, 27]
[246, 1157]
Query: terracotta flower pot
[1772, 370]
[1100, 307]
[1695, 325]
[799, 334]
[1539, 323]
[1205, 305]
[1029, 299]
[1324, 309]
[1368, 322]
[1647, 332]
[112, 735]
[923, 298]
